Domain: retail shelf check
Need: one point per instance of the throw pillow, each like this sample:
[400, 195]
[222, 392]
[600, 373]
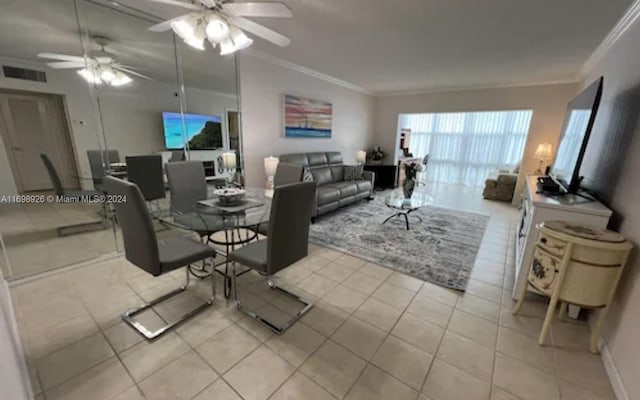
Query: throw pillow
[353, 172]
[307, 176]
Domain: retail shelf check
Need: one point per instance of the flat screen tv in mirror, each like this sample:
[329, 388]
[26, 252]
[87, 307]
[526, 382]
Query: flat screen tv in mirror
[578, 122]
[202, 132]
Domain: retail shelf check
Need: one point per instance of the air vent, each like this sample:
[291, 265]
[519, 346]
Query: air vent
[24, 74]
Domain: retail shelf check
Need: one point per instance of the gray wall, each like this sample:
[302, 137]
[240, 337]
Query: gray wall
[620, 66]
[262, 86]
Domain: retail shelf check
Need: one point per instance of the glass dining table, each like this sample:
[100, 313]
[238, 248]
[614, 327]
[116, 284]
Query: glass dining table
[225, 227]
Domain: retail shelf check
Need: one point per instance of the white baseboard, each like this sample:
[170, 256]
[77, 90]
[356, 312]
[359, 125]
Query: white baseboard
[612, 371]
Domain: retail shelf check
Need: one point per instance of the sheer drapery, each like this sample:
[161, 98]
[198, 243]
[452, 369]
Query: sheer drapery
[464, 148]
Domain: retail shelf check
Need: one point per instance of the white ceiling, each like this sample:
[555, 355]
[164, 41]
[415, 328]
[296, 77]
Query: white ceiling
[412, 45]
[382, 46]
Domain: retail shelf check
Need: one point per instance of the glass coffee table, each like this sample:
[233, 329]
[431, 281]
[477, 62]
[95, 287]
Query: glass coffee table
[405, 206]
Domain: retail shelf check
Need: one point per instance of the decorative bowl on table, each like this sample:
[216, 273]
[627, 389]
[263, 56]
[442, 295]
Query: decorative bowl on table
[230, 196]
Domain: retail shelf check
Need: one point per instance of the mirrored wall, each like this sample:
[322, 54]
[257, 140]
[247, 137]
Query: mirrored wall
[87, 90]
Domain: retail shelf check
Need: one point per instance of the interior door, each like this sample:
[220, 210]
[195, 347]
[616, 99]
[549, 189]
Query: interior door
[33, 124]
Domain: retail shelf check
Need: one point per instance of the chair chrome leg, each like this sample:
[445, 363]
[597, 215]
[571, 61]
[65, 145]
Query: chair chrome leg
[127, 317]
[273, 327]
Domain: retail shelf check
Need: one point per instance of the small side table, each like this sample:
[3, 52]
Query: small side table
[579, 265]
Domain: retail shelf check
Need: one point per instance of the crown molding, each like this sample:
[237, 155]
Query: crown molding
[626, 21]
[307, 71]
[475, 87]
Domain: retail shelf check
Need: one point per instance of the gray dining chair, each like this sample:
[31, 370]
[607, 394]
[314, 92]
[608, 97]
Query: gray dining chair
[287, 242]
[72, 196]
[187, 185]
[177, 155]
[146, 172]
[157, 257]
[286, 173]
[97, 161]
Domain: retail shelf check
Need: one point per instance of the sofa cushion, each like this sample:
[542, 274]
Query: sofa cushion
[307, 176]
[316, 159]
[326, 195]
[300, 159]
[364, 186]
[334, 157]
[322, 175]
[346, 188]
[337, 173]
[353, 172]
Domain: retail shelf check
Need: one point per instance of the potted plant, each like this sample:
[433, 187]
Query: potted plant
[377, 155]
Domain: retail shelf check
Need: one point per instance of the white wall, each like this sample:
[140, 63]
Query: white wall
[15, 379]
[262, 86]
[548, 103]
[131, 116]
[620, 66]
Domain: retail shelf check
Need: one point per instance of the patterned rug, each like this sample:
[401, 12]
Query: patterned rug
[441, 249]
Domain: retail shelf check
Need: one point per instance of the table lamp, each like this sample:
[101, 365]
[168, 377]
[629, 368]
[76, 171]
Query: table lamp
[229, 164]
[543, 152]
[361, 157]
[270, 166]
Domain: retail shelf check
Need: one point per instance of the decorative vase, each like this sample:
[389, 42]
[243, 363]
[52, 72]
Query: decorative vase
[407, 188]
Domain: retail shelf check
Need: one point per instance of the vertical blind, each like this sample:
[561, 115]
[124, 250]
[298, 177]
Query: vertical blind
[464, 148]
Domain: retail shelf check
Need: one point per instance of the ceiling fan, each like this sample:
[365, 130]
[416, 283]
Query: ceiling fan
[223, 23]
[99, 67]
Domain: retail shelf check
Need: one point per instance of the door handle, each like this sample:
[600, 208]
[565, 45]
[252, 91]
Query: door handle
[17, 148]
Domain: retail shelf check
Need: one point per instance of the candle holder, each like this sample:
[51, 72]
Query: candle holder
[229, 164]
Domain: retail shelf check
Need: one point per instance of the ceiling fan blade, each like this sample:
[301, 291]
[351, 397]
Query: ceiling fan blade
[66, 64]
[261, 31]
[128, 71]
[165, 25]
[208, 3]
[177, 3]
[275, 10]
[62, 57]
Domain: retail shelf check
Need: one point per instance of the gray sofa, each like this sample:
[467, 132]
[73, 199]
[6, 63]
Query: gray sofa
[327, 169]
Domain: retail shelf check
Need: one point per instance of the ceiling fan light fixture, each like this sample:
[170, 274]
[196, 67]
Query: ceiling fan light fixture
[190, 30]
[217, 29]
[89, 76]
[240, 40]
[121, 79]
[227, 47]
[107, 75]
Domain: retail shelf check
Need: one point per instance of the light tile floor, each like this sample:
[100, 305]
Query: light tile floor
[373, 334]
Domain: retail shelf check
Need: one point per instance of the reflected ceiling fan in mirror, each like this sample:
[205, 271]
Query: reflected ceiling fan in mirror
[223, 23]
[99, 67]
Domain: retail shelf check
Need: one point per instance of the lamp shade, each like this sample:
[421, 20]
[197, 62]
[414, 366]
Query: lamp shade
[270, 165]
[361, 156]
[544, 151]
[229, 160]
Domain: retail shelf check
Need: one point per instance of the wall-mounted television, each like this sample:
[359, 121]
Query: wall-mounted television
[578, 122]
[201, 132]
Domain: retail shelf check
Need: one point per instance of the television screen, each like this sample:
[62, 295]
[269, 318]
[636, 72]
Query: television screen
[579, 118]
[201, 131]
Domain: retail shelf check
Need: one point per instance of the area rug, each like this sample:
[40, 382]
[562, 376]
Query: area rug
[441, 249]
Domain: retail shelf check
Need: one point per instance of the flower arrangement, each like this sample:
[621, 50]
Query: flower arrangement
[377, 154]
[411, 169]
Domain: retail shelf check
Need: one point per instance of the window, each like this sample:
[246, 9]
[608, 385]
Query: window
[465, 147]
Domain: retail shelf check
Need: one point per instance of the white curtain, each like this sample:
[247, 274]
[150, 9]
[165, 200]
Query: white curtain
[464, 148]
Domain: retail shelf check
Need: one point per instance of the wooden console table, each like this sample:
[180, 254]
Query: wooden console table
[576, 264]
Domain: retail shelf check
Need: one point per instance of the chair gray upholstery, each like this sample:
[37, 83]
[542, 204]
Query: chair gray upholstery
[177, 155]
[57, 183]
[146, 172]
[287, 239]
[143, 249]
[187, 185]
[98, 159]
[327, 169]
[287, 173]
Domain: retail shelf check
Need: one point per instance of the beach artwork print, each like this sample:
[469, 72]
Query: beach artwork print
[306, 118]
